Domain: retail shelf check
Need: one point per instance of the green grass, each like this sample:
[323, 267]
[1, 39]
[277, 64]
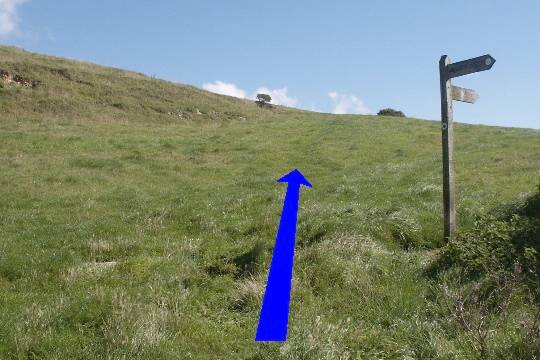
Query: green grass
[131, 226]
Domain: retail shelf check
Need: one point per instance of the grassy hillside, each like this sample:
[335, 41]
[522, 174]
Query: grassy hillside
[138, 217]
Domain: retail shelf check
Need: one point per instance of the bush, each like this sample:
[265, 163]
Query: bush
[497, 247]
[494, 246]
[487, 282]
[390, 112]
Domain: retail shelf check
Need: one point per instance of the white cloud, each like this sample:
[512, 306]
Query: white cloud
[279, 96]
[9, 19]
[348, 104]
[223, 88]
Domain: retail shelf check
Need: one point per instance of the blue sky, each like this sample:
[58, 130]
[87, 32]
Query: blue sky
[331, 56]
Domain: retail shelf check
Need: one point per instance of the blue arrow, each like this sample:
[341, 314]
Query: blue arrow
[275, 306]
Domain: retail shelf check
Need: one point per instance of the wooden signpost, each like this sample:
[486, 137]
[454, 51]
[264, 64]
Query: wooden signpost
[449, 70]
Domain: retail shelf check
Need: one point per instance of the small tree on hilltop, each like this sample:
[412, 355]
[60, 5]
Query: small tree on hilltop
[390, 112]
[263, 100]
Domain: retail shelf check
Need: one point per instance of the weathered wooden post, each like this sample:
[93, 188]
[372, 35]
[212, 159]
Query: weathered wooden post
[447, 71]
[447, 127]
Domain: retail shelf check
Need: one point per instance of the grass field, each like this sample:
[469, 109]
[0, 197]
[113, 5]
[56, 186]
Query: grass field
[138, 217]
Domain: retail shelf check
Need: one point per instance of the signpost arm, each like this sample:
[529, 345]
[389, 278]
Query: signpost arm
[447, 149]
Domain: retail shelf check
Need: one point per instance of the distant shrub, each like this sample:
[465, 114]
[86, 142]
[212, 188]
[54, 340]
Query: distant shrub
[390, 112]
[263, 100]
